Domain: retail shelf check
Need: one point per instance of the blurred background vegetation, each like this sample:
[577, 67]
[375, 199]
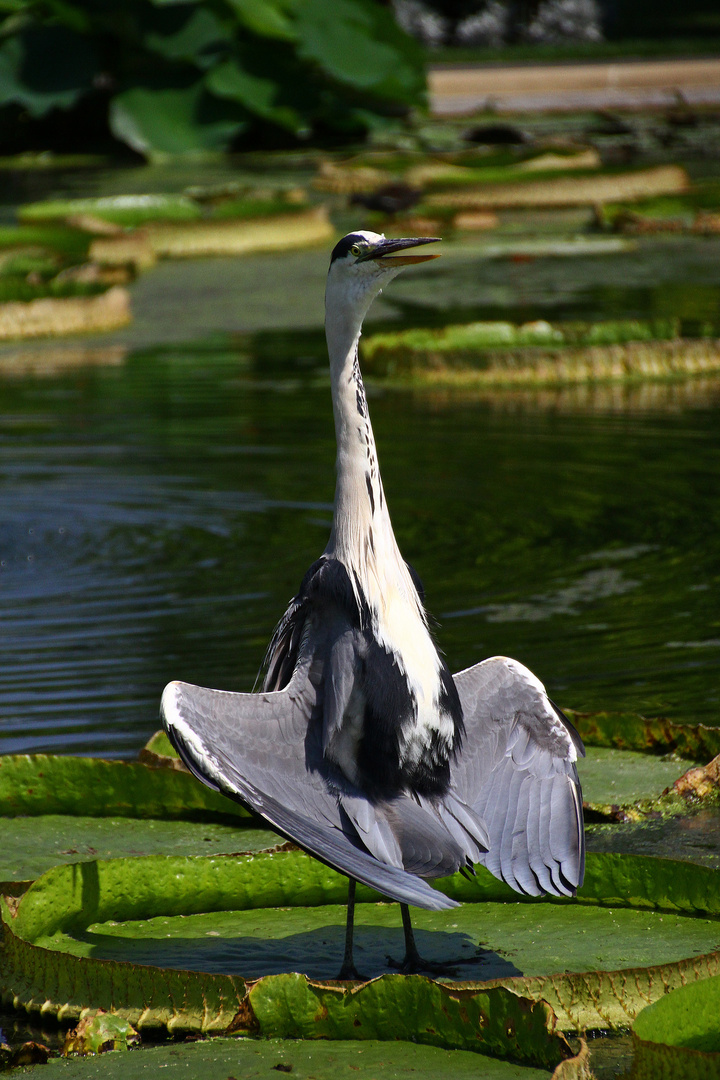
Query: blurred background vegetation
[192, 77]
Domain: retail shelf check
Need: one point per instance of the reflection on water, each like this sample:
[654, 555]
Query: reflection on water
[46, 361]
[669, 395]
[158, 514]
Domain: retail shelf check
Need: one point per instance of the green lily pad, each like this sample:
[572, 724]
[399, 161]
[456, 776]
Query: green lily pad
[500, 940]
[32, 845]
[621, 777]
[628, 731]
[252, 1059]
[678, 1037]
[35, 784]
[126, 210]
[100, 1033]
[466, 340]
[93, 935]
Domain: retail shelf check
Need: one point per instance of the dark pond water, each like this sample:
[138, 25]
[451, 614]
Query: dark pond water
[157, 516]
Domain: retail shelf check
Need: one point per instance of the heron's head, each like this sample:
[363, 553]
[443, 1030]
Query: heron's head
[361, 264]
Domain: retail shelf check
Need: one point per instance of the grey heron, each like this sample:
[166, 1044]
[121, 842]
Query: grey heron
[362, 748]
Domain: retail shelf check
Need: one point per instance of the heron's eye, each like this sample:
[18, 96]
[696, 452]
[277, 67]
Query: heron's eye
[356, 249]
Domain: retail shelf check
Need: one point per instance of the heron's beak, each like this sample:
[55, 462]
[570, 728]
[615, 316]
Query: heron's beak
[383, 252]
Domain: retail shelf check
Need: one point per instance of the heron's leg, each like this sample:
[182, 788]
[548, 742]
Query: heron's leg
[413, 958]
[414, 963]
[348, 969]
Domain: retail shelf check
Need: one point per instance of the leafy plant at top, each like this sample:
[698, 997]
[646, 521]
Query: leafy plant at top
[188, 77]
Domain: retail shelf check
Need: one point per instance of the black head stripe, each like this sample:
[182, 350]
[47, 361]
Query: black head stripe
[343, 246]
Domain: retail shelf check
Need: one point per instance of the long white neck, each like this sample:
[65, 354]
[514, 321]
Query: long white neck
[362, 536]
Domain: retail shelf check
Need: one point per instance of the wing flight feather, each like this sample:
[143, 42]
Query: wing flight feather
[517, 771]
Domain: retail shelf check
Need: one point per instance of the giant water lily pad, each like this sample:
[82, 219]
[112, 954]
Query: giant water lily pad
[34, 784]
[678, 1037]
[629, 731]
[124, 935]
[32, 845]
[252, 1059]
[623, 777]
[125, 210]
[572, 190]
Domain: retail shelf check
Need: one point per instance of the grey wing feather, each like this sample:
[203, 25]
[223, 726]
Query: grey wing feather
[517, 772]
[254, 748]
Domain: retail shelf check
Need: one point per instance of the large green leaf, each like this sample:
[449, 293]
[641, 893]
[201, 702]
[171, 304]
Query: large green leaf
[493, 940]
[678, 1037]
[358, 43]
[32, 845]
[267, 18]
[261, 1059]
[493, 1021]
[195, 35]
[622, 777]
[44, 68]
[35, 784]
[64, 949]
[125, 210]
[628, 731]
[255, 93]
[173, 121]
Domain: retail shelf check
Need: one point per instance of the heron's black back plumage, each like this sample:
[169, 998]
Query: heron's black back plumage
[327, 598]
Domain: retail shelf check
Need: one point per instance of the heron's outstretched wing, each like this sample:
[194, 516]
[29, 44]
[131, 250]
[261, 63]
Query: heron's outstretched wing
[254, 748]
[517, 771]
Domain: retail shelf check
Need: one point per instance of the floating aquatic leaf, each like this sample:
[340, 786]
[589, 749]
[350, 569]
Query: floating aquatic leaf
[282, 232]
[678, 1036]
[66, 948]
[628, 731]
[573, 190]
[52, 316]
[495, 1022]
[119, 209]
[32, 845]
[623, 777]
[220, 1058]
[98, 1034]
[36, 784]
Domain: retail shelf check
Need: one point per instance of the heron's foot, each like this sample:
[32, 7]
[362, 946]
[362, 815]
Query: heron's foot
[349, 973]
[415, 964]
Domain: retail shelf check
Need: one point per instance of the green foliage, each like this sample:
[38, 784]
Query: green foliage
[43, 784]
[188, 77]
[98, 1034]
[678, 1037]
[75, 940]
[220, 1058]
[687, 1018]
[473, 338]
[128, 210]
